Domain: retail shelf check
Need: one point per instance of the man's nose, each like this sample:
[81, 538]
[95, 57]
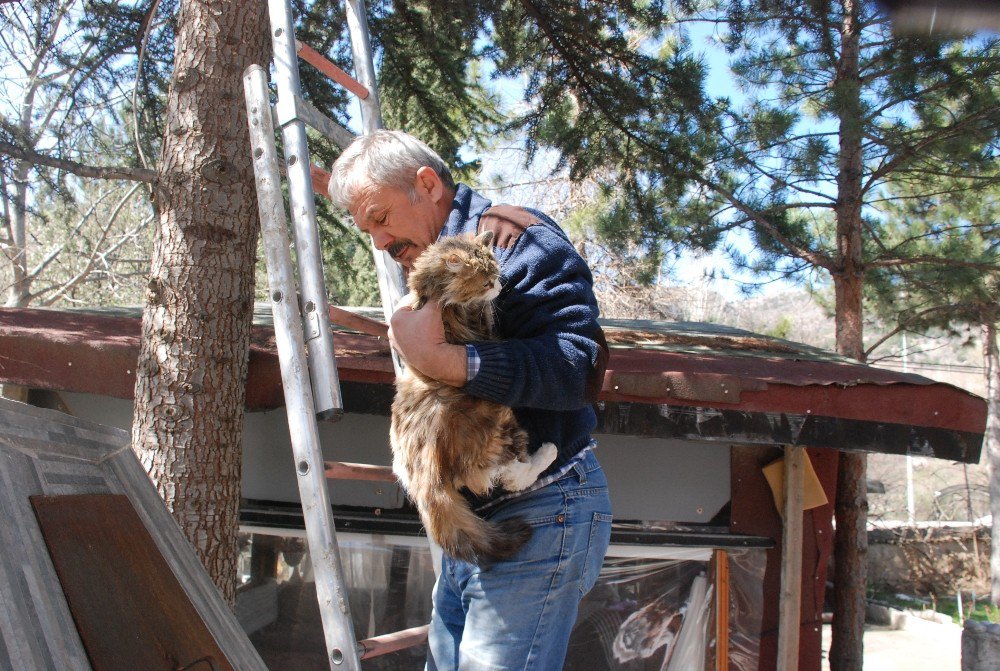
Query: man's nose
[382, 240]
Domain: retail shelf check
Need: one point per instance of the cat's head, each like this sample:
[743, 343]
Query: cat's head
[459, 269]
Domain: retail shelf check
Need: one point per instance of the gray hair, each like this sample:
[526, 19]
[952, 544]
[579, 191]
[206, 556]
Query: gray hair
[386, 158]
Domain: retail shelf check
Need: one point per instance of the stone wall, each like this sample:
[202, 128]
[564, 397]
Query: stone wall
[938, 561]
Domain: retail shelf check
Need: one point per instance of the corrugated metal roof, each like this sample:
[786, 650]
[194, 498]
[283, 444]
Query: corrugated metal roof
[699, 337]
[654, 363]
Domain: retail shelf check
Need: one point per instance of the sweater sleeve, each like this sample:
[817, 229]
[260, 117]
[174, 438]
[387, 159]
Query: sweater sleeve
[552, 352]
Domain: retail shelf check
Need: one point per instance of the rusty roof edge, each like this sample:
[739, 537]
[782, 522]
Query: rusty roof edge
[649, 380]
[785, 349]
[743, 382]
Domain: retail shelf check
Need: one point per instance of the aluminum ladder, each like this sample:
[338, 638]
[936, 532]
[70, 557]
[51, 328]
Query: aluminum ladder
[310, 381]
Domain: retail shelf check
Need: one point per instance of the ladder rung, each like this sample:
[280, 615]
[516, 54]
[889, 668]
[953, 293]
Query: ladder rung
[342, 470]
[356, 322]
[321, 63]
[306, 112]
[320, 180]
[386, 643]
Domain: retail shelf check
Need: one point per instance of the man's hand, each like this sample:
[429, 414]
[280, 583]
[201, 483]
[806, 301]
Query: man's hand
[418, 335]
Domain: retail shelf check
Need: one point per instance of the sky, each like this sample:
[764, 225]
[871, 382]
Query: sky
[715, 269]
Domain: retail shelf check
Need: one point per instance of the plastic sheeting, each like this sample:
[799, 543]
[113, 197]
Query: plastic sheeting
[646, 613]
[389, 581]
[746, 606]
[636, 615]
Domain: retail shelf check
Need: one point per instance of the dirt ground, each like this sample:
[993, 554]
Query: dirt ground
[920, 646]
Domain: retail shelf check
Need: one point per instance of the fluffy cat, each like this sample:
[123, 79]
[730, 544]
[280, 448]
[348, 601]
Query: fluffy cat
[442, 439]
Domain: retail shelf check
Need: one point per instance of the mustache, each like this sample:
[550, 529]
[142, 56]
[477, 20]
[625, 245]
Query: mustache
[396, 248]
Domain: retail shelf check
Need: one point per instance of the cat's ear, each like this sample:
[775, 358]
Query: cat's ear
[485, 238]
[454, 263]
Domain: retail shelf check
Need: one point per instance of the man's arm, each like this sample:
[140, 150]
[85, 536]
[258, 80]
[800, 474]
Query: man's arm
[552, 353]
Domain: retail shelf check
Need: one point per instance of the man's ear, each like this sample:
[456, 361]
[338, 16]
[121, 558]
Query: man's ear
[428, 182]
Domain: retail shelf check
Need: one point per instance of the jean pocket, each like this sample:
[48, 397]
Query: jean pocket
[597, 547]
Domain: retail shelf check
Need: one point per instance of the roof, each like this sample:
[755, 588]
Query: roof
[682, 373]
[135, 577]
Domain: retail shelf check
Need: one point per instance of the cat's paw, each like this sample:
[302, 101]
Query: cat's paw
[544, 457]
[518, 475]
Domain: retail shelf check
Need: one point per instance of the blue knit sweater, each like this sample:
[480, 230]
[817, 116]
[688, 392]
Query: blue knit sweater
[546, 317]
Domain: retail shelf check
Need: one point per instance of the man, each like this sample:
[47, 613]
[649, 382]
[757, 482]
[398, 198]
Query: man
[515, 614]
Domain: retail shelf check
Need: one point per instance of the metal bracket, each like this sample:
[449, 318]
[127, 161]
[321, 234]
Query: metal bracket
[311, 326]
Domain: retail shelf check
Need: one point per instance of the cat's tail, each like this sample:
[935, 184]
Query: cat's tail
[464, 535]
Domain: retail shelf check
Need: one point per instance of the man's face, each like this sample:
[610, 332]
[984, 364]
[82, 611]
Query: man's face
[402, 228]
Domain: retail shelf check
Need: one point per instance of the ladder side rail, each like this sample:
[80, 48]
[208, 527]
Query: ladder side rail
[304, 433]
[364, 65]
[319, 338]
[392, 286]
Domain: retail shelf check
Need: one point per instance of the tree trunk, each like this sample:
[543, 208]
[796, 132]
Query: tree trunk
[191, 381]
[18, 293]
[850, 548]
[991, 445]
[851, 510]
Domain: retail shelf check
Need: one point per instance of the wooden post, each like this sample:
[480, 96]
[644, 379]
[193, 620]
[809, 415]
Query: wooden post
[721, 611]
[789, 614]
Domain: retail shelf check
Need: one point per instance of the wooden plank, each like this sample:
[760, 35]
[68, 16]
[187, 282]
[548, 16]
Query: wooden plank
[321, 63]
[342, 470]
[721, 610]
[790, 607]
[129, 608]
[351, 320]
[134, 482]
[386, 643]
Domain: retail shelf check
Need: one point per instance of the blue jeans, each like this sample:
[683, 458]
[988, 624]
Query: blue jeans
[518, 614]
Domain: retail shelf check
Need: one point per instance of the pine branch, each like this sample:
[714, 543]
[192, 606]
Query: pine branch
[908, 153]
[931, 260]
[913, 317]
[810, 256]
[815, 258]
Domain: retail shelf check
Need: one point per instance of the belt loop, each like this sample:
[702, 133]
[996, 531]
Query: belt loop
[581, 472]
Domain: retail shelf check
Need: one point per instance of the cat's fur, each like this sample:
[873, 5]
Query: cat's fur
[442, 439]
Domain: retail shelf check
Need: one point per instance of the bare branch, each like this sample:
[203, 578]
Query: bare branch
[52, 255]
[147, 22]
[79, 169]
[97, 253]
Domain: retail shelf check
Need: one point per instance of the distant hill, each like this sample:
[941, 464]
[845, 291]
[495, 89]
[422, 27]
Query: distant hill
[793, 315]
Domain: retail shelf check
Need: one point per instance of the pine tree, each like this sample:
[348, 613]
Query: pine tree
[946, 236]
[829, 107]
[191, 382]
